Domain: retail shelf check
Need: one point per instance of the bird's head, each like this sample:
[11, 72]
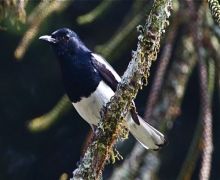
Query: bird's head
[65, 42]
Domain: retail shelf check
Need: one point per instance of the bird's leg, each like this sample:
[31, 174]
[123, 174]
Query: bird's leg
[90, 137]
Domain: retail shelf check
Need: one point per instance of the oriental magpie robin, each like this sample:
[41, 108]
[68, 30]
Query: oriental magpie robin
[90, 82]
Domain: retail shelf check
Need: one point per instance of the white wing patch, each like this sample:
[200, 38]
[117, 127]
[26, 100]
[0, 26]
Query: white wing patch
[107, 65]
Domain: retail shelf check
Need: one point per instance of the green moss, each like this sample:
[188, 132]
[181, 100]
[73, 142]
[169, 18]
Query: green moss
[215, 9]
[112, 125]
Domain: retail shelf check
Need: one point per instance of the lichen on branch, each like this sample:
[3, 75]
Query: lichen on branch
[215, 10]
[111, 126]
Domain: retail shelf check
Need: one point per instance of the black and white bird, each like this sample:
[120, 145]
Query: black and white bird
[90, 82]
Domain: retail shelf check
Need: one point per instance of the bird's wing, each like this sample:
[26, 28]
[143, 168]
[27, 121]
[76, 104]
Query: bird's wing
[111, 78]
[106, 71]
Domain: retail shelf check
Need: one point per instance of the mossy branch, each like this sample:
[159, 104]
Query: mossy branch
[112, 126]
[215, 10]
[161, 69]
[165, 109]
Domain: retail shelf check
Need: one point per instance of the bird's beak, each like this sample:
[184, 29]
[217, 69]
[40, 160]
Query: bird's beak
[48, 39]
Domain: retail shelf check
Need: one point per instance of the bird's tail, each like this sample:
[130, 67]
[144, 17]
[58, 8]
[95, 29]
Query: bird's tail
[148, 136]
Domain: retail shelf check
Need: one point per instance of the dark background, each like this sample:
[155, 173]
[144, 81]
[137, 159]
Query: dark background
[32, 86]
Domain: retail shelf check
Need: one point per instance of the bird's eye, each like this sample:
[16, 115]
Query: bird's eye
[65, 38]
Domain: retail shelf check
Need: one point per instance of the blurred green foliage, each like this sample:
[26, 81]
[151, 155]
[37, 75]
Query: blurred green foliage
[31, 89]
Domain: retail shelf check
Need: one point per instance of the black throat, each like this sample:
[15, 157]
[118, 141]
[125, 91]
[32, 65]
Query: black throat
[79, 76]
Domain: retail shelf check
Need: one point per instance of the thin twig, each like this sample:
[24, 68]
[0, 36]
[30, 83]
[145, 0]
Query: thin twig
[205, 111]
[124, 33]
[43, 122]
[95, 13]
[211, 42]
[192, 156]
[207, 118]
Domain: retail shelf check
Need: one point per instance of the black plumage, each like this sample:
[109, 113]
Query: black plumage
[90, 82]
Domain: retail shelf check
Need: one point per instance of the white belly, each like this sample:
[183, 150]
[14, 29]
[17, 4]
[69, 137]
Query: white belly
[89, 108]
